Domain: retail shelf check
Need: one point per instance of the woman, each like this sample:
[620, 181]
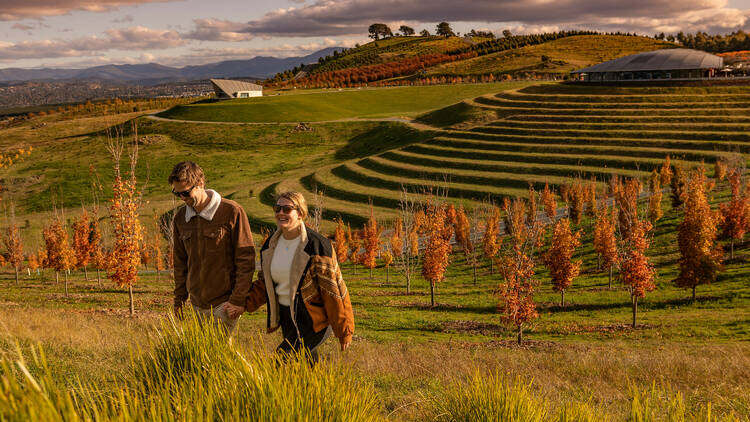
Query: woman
[301, 281]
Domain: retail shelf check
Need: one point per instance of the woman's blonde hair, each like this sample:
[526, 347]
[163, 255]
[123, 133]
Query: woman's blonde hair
[297, 199]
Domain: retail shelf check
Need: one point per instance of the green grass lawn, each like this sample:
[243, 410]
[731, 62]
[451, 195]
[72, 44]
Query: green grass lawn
[335, 105]
[583, 352]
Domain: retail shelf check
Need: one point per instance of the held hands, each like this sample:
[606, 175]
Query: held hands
[233, 311]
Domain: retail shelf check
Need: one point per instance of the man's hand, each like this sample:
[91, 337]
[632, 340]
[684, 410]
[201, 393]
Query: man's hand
[233, 311]
[345, 346]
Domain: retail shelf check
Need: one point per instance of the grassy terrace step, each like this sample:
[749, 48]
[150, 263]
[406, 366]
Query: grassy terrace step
[659, 128]
[480, 147]
[619, 142]
[617, 105]
[344, 189]
[516, 166]
[594, 90]
[506, 128]
[654, 98]
[353, 213]
[683, 118]
[573, 161]
[469, 177]
[536, 108]
[367, 178]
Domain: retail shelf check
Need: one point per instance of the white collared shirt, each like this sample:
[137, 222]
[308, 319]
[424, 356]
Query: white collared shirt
[214, 199]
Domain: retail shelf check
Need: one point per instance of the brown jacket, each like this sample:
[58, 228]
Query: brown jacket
[214, 261]
[316, 280]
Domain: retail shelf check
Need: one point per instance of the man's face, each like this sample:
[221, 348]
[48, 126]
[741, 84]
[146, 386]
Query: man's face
[188, 193]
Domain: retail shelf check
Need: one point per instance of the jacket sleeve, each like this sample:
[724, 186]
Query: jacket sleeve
[244, 257]
[180, 260]
[336, 299]
[257, 296]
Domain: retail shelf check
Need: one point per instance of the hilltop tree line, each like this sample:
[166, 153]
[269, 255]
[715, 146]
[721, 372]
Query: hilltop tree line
[736, 41]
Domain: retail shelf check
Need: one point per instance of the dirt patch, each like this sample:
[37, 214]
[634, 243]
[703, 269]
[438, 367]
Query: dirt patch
[602, 329]
[425, 306]
[151, 139]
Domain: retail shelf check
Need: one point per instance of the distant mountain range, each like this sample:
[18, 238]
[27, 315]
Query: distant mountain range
[153, 73]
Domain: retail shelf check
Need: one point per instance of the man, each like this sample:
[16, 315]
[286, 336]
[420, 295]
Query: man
[214, 253]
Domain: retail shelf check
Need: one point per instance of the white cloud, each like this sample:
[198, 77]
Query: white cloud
[11, 10]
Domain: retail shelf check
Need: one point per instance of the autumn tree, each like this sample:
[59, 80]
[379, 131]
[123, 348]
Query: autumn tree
[558, 257]
[720, 170]
[60, 256]
[605, 240]
[387, 261]
[665, 172]
[490, 240]
[98, 258]
[339, 240]
[735, 213]
[464, 231]
[516, 266]
[700, 255]
[14, 246]
[626, 197]
[82, 242]
[127, 230]
[532, 208]
[654, 203]
[549, 203]
[33, 262]
[678, 184]
[371, 239]
[637, 273]
[591, 207]
[577, 201]
[437, 249]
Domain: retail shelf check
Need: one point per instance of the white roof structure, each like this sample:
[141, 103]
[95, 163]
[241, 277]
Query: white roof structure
[230, 88]
[667, 59]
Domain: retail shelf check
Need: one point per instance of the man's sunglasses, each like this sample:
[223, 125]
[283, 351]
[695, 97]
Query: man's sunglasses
[184, 193]
[287, 208]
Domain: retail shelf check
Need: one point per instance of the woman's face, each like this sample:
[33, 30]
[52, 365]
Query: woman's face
[287, 222]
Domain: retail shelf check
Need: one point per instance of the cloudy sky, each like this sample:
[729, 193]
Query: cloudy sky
[82, 33]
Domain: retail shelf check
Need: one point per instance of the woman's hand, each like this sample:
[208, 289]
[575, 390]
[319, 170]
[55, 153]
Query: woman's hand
[233, 311]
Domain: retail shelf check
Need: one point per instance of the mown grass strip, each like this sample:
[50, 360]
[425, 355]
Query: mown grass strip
[682, 118]
[632, 98]
[515, 167]
[619, 110]
[655, 127]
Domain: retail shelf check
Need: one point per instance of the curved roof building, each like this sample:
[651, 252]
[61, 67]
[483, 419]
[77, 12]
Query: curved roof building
[672, 63]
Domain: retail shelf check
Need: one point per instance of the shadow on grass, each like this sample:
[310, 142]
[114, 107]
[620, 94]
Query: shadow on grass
[383, 137]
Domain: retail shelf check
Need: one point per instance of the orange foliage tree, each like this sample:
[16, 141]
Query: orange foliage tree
[550, 205]
[516, 265]
[720, 170]
[464, 230]
[339, 240]
[666, 173]
[371, 239]
[98, 258]
[532, 207]
[678, 184]
[637, 273]
[60, 256]
[558, 257]
[437, 249]
[577, 201]
[82, 242]
[626, 198]
[605, 241]
[700, 255]
[387, 261]
[14, 245]
[127, 230]
[736, 212]
[654, 202]
[591, 199]
[490, 240]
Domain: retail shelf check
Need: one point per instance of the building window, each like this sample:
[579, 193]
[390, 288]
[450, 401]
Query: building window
[244, 95]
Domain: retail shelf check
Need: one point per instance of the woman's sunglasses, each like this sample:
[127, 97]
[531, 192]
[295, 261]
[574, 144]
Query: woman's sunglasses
[184, 193]
[287, 208]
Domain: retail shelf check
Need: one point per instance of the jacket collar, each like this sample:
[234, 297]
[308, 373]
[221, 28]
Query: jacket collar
[214, 199]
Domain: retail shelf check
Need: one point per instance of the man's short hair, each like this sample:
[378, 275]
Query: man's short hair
[298, 200]
[187, 172]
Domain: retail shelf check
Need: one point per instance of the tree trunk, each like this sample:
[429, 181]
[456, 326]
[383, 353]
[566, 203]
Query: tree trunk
[86, 273]
[157, 275]
[490, 265]
[370, 273]
[57, 277]
[98, 278]
[132, 305]
[16, 276]
[520, 335]
[635, 309]
[562, 298]
[387, 274]
[474, 264]
[66, 283]
[432, 294]
[694, 293]
[611, 269]
[731, 250]
[598, 262]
